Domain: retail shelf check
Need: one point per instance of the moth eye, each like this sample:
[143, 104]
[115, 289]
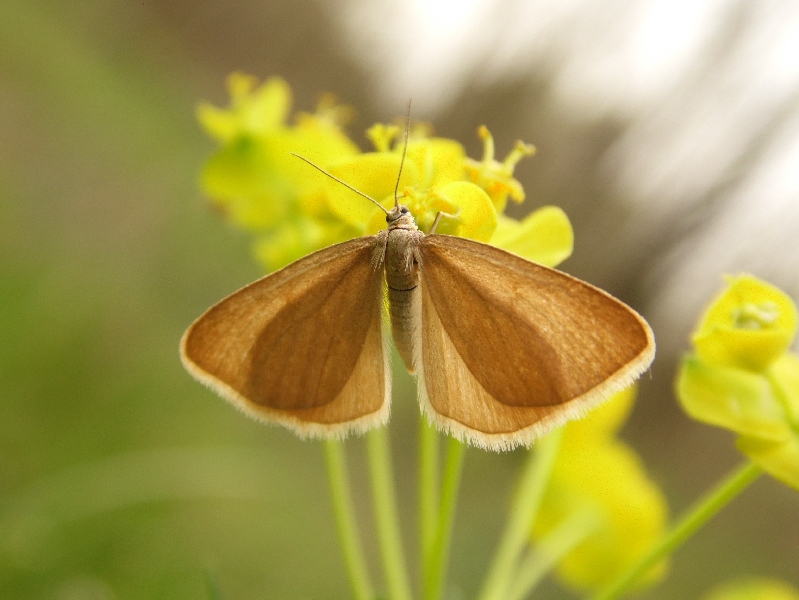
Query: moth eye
[404, 210]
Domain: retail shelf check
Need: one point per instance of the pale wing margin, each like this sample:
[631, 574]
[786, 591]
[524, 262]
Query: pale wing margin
[509, 349]
[303, 347]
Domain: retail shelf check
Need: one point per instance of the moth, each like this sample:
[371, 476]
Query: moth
[503, 349]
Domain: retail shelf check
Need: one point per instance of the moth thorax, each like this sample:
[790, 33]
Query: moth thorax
[402, 257]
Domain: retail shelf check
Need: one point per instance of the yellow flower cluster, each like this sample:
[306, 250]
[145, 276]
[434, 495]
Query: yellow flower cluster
[293, 210]
[598, 474]
[742, 376]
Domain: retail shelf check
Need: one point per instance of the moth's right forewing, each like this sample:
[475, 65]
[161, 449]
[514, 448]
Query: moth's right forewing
[510, 349]
[303, 347]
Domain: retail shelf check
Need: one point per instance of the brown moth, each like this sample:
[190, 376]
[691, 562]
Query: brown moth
[503, 349]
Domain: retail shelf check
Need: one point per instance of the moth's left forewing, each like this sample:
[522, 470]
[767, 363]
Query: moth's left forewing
[509, 349]
[303, 347]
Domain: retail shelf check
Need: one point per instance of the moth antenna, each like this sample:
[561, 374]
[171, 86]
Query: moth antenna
[404, 150]
[344, 183]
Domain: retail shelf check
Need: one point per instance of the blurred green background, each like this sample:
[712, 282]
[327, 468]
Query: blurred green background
[123, 478]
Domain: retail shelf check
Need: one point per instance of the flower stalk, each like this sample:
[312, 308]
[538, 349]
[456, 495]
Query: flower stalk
[344, 512]
[435, 567]
[541, 559]
[387, 518]
[532, 484]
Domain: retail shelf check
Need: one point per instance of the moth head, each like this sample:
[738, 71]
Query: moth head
[399, 211]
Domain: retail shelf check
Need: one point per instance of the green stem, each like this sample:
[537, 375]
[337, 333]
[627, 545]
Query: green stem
[436, 563]
[532, 483]
[700, 514]
[540, 560]
[388, 527]
[345, 519]
[428, 493]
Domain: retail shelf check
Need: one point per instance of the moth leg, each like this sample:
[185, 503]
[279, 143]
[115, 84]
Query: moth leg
[440, 214]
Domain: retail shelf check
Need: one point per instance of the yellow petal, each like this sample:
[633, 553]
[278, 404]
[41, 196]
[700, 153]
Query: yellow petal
[749, 325]
[438, 161]
[608, 478]
[297, 238]
[238, 169]
[544, 236]
[736, 399]
[267, 107]
[374, 174]
[219, 123]
[604, 421]
[315, 142]
[251, 111]
[778, 459]
[382, 136]
[476, 219]
[784, 378]
[497, 178]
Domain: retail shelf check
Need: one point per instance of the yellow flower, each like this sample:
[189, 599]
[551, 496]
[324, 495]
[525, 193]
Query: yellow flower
[293, 210]
[257, 181]
[496, 178]
[742, 376]
[252, 110]
[544, 236]
[596, 472]
[748, 326]
[431, 182]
